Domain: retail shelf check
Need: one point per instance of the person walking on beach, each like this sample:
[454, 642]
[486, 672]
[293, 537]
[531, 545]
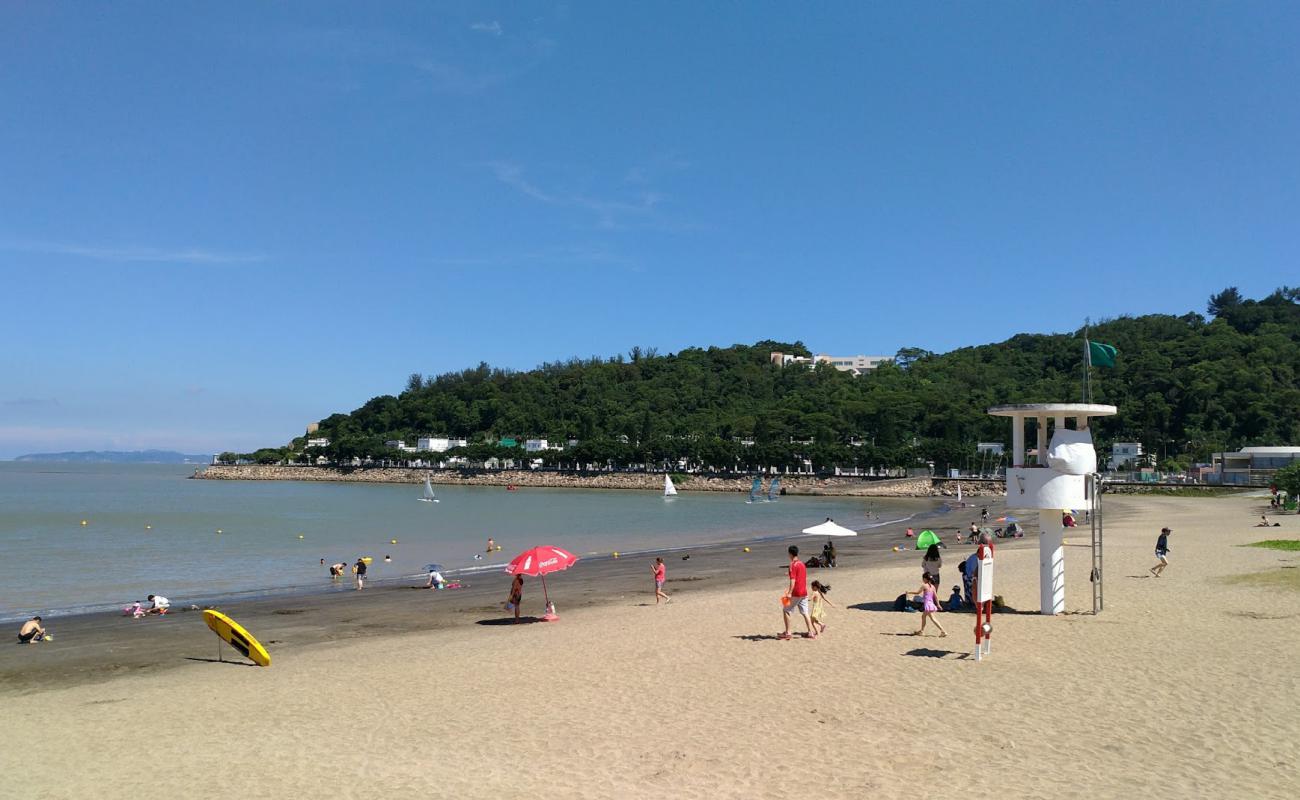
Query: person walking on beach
[660, 571]
[1162, 552]
[929, 605]
[360, 569]
[31, 632]
[516, 595]
[819, 600]
[796, 595]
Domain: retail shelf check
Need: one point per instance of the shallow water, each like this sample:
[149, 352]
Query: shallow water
[151, 530]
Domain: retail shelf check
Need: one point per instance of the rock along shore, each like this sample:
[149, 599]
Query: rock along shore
[790, 484]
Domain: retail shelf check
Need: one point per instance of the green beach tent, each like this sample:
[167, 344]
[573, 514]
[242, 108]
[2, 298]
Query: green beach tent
[926, 539]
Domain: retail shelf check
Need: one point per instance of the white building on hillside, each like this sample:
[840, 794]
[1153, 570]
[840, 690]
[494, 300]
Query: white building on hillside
[438, 444]
[537, 445]
[858, 365]
[319, 441]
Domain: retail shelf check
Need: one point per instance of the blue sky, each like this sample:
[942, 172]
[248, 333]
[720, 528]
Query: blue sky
[218, 223]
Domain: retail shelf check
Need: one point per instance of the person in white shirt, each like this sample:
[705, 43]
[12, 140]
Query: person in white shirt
[160, 604]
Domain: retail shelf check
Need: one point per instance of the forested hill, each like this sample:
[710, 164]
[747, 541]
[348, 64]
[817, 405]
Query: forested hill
[1186, 386]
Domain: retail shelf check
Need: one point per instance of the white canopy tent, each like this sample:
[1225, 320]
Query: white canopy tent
[829, 528]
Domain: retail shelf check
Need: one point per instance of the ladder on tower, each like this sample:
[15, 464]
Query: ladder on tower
[1096, 524]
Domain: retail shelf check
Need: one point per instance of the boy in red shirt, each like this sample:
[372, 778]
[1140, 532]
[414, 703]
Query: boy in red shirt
[797, 595]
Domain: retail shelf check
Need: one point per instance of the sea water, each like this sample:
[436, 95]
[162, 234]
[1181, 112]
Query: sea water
[149, 529]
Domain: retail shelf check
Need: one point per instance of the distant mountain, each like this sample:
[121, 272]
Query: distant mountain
[118, 457]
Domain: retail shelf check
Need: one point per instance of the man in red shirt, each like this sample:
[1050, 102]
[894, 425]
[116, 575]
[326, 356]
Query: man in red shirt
[797, 595]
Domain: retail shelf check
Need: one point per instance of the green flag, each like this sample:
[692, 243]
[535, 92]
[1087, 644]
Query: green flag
[1101, 355]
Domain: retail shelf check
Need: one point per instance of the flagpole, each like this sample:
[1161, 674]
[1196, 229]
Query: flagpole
[1087, 362]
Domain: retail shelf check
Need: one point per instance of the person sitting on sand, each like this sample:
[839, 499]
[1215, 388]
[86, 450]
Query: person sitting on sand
[1162, 552]
[1263, 522]
[954, 600]
[160, 604]
[819, 600]
[516, 596]
[32, 631]
[660, 571]
[929, 604]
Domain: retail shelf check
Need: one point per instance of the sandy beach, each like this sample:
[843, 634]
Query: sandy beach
[1184, 686]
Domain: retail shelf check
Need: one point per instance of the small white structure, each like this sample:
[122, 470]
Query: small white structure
[1061, 480]
[319, 441]
[1122, 454]
[536, 445]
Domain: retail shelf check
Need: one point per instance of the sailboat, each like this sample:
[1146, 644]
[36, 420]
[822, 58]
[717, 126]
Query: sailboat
[670, 491]
[774, 490]
[428, 491]
[756, 491]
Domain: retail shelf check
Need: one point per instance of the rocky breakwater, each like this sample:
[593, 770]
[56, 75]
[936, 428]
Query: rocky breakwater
[790, 484]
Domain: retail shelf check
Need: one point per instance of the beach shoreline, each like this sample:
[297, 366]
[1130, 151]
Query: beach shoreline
[333, 610]
[810, 485]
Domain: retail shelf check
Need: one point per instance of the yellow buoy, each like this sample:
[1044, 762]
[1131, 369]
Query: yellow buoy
[83, 522]
[615, 554]
[392, 541]
[498, 548]
[300, 536]
[148, 527]
[746, 549]
[895, 548]
[218, 530]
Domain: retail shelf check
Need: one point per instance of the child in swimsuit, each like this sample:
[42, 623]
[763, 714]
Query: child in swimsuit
[929, 605]
[819, 600]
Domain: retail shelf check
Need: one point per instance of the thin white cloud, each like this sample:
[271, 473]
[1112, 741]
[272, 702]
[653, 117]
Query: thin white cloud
[492, 27]
[133, 253]
[611, 214]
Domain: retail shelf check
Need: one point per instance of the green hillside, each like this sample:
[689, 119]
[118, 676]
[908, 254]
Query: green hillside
[1186, 386]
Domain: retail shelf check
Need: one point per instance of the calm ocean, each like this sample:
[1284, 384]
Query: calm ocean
[151, 530]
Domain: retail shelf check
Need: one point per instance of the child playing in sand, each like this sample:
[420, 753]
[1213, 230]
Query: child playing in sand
[660, 571]
[819, 598]
[929, 605]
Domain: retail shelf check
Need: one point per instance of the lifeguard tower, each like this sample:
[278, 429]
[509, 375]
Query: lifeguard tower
[1064, 476]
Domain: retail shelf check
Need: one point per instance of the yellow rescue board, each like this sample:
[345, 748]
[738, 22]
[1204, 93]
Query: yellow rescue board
[235, 635]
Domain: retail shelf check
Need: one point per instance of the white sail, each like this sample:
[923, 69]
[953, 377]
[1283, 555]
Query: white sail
[428, 491]
[959, 493]
[774, 490]
[669, 489]
[755, 491]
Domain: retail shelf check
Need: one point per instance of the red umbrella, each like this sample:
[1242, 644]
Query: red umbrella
[538, 561]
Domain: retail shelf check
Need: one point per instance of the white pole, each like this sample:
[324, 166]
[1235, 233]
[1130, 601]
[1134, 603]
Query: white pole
[1051, 562]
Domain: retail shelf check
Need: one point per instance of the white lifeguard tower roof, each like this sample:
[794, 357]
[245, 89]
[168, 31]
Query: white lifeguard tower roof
[1053, 410]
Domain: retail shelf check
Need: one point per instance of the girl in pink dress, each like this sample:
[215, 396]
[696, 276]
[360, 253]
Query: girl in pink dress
[929, 605]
